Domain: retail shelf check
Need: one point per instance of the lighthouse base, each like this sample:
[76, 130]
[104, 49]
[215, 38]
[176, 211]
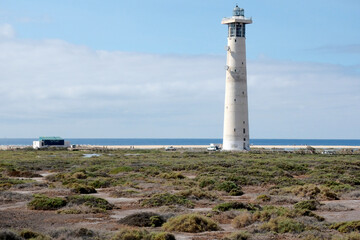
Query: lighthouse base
[233, 145]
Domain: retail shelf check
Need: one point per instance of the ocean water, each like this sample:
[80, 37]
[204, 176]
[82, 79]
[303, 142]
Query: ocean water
[185, 141]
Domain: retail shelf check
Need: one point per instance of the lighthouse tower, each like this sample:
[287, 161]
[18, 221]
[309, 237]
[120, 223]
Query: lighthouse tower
[236, 119]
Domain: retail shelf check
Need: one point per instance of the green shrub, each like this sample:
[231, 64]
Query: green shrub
[172, 175]
[242, 235]
[77, 233]
[193, 223]
[263, 198]
[79, 175]
[307, 205]
[227, 186]
[90, 201]
[283, 225]
[82, 189]
[29, 234]
[206, 181]
[285, 181]
[143, 219]
[269, 212]
[236, 192]
[121, 169]
[353, 236]
[5, 186]
[223, 207]
[197, 194]
[167, 199]
[70, 211]
[132, 234]
[41, 202]
[101, 183]
[6, 183]
[346, 227]
[8, 235]
[163, 236]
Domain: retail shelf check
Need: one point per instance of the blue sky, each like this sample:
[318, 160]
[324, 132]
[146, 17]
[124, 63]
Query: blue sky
[156, 68]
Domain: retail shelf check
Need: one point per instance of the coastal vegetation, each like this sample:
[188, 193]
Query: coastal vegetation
[137, 194]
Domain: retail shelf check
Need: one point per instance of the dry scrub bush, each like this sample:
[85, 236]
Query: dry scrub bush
[81, 188]
[312, 191]
[346, 227]
[307, 205]
[163, 236]
[132, 234]
[118, 193]
[223, 207]
[350, 236]
[270, 212]
[79, 175]
[172, 175]
[197, 193]
[283, 225]
[242, 220]
[25, 174]
[263, 198]
[141, 234]
[77, 233]
[29, 234]
[80, 209]
[90, 201]
[238, 236]
[167, 199]
[8, 235]
[13, 197]
[143, 219]
[193, 223]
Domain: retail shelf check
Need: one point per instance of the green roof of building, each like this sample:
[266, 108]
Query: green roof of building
[50, 138]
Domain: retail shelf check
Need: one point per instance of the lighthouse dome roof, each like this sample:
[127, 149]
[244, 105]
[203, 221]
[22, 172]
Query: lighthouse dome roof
[238, 11]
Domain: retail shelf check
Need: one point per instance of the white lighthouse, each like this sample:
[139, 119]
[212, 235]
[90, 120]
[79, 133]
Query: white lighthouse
[236, 117]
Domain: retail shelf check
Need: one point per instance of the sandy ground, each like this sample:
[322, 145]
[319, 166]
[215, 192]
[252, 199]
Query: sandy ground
[17, 214]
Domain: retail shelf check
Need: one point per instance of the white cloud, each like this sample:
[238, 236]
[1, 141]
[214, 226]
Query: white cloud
[304, 100]
[349, 49]
[52, 87]
[6, 31]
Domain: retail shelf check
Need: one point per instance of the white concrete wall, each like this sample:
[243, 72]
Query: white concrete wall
[236, 118]
[36, 144]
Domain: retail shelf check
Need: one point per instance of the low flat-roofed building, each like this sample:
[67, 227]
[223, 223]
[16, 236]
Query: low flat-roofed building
[45, 142]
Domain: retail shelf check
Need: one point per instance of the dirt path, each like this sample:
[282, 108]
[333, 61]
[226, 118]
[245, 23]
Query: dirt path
[342, 216]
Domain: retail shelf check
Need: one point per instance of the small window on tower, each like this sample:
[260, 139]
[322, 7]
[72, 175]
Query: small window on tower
[243, 93]
[235, 100]
[243, 122]
[234, 129]
[244, 139]
[244, 130]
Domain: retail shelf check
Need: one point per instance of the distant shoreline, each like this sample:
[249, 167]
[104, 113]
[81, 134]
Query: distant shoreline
[114, 147]
[187, 142]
